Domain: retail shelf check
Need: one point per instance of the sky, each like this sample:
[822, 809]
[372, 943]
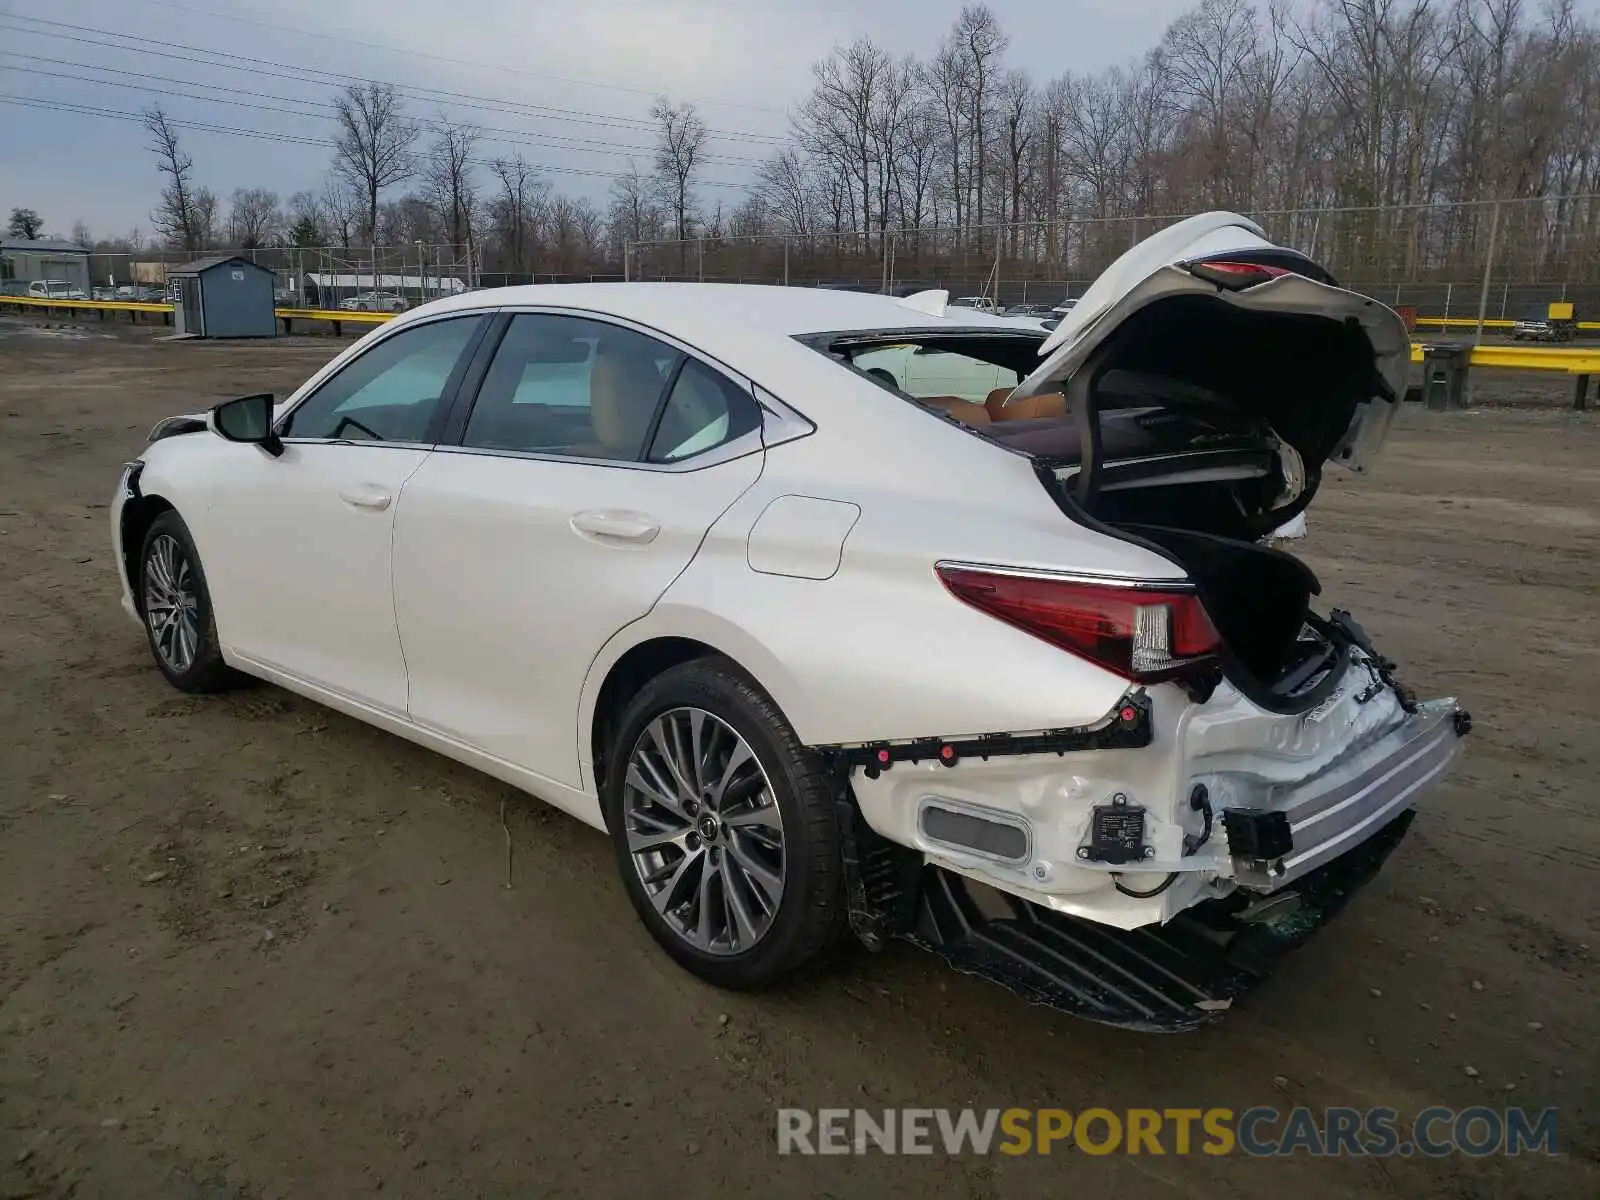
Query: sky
[577, 76]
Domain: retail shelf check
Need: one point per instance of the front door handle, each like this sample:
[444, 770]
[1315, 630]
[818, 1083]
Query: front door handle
[367, 495]
[616, 525]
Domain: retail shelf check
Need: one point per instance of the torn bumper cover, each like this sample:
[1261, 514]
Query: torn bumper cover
[1161, 978]
[1077, 883]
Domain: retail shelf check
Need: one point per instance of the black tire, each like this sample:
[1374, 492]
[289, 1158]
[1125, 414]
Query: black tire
[810, 915]
[204, 671]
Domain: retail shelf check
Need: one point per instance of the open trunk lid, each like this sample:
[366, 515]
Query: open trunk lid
[1268, 294]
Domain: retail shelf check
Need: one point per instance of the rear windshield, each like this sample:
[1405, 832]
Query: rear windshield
[936, 364]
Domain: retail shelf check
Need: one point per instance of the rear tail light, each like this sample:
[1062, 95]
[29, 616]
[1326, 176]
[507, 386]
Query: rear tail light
[1142, 632]
[1235, 276]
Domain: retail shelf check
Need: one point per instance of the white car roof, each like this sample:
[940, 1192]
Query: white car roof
[686, 309]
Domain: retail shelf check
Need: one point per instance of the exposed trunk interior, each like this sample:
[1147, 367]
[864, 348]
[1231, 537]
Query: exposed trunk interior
[1199, 427]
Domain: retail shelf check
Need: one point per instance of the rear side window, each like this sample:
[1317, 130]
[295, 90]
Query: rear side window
[571, 386]
[704, 411]
[576, 387]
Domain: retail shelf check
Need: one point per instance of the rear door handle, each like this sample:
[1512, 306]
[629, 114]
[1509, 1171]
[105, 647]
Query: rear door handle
[616, 525]
[367, 495]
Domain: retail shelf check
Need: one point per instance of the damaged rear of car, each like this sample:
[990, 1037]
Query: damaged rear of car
[1264, 759]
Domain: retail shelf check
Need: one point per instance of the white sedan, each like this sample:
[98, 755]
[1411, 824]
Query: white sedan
[1016, 680]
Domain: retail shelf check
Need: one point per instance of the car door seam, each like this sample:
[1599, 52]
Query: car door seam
[578, 738]
[394, 600]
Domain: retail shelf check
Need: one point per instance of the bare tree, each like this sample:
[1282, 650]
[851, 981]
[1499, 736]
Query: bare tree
[206, 219]
[634, 215]
[342, 208]
[680, 141]
[521, 190]
[253, 218]
[175, 218]
[307, 221]
[373, 147]
[81, 235]
[452, 185]
[786, 182]
[977, 33]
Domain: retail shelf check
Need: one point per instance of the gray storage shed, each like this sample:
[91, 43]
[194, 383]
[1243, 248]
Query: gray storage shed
[223, 297]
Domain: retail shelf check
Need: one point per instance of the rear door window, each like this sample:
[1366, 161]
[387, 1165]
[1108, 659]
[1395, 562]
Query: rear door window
[571, 386]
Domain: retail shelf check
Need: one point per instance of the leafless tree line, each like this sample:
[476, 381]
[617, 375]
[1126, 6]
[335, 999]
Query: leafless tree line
[1380, 124]
[1375, 133]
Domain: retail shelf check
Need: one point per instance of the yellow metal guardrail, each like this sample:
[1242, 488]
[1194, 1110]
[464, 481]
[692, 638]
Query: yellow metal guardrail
[1568, 360]
[355, 317]
[1491, 323]
[108, 305]
[336, 314]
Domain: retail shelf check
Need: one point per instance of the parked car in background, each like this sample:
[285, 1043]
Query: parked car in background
[1056, 313]
[374, 302]
[1028, 310]
[981, 303]
[1016, 680]
[931, 371]
[55, 289]
[1540, 328]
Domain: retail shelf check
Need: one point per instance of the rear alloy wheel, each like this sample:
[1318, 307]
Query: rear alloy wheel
[724, 828]
[704, 831]
[177, 609]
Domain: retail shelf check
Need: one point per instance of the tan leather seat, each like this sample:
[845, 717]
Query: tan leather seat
[964, 411]
[623, 389]
[1048, 404]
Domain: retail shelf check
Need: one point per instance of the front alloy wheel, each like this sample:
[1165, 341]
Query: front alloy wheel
[704, 831]
[176, 605]
[171, 605]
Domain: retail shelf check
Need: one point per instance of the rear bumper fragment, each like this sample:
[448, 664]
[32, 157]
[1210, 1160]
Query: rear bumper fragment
[1166, 978]
[1338, 810]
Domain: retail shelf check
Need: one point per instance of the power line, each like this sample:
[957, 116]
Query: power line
[460, 62]
[115, 114]
[301, 74]
[514, 137]
[269, 135]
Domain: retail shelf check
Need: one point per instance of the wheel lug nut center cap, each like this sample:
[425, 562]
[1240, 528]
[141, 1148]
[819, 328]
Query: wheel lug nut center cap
[707, 826]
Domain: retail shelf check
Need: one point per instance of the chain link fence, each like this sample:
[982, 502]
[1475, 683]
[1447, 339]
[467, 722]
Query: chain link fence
[383, 278]
[1504, 258]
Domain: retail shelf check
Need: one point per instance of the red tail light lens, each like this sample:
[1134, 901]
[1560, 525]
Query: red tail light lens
[1235, 276]
[1143, 632]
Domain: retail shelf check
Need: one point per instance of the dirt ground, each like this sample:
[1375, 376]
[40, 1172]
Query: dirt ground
[250, 948]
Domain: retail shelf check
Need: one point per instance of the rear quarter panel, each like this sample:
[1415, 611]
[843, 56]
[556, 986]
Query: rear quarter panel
[880, 650]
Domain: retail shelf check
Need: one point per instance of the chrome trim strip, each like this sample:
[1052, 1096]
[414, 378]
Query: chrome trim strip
[743, 445]
[1126, 581]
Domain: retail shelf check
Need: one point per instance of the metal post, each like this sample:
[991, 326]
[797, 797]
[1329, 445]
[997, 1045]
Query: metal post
[1488, 270]
[700, 252]
[999, 240]
[627, 248]
[1447, 288]
[785, 262]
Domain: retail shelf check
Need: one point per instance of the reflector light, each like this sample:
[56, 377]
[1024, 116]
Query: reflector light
[1144, 632]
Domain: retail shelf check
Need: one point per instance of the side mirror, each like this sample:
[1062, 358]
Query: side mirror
[247, 419]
